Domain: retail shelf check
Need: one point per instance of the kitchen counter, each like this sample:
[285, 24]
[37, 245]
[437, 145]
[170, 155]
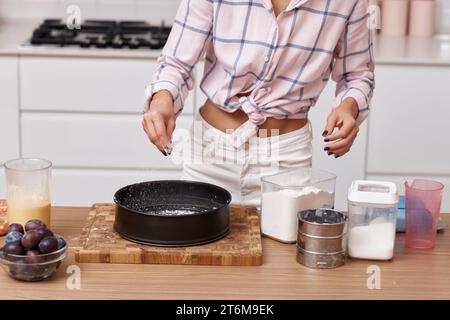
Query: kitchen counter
[387, 50]
[411, 275]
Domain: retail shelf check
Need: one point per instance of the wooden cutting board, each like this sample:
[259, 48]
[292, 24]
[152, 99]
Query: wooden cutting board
[100, 243]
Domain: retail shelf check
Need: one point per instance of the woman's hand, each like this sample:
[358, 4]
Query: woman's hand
[159, 121]
[344, 118]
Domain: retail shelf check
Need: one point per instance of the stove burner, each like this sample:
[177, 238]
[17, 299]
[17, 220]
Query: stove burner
[102, 34]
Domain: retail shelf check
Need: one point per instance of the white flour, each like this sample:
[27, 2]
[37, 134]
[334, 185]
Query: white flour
[374, 242]
[279, 210]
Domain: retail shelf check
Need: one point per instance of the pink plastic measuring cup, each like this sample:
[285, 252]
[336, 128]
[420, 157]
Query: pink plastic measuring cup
[423, 205]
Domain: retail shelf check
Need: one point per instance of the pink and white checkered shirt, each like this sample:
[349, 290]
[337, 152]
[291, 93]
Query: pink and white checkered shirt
[283, 62]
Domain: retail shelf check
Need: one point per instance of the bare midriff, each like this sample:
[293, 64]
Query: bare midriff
[224, 121]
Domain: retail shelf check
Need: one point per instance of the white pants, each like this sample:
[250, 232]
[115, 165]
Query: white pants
[213, 159]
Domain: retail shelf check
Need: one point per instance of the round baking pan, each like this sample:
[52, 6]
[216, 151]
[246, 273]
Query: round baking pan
[172, 213]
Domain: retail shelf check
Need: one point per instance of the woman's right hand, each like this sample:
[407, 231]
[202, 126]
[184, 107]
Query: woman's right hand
[159, 121]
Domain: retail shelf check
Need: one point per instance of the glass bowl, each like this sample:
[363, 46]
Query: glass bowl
[32, 268]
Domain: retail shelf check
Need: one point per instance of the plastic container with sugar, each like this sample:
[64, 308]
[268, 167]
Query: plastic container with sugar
[372, 207]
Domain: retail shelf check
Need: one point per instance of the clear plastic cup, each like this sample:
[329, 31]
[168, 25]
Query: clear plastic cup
[28, 190]
[423, 205]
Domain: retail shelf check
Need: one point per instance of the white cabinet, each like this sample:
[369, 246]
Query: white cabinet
[87, 84]
[9, 114]
[348, 167]
[93, 141]
[409, 122]
[83, 187]
[409, 126]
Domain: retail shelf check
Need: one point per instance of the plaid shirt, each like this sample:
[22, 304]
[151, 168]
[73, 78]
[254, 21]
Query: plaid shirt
[283, 62]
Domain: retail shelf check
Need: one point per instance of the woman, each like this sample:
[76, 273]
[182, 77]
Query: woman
[266, 64]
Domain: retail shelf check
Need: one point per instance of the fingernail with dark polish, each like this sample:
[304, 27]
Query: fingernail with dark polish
[327, 140]
[330, 153]
[164, 153]
[336, 157]
[168, 149]
[326, 149]
[325, 133]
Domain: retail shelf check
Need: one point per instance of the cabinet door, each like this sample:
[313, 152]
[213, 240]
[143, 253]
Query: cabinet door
[409, 124]
[83, 187]
[96, 140]
[9, 114]
[87, 84]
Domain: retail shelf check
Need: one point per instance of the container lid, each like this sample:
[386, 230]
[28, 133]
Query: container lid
[373, 192]
[299, 178]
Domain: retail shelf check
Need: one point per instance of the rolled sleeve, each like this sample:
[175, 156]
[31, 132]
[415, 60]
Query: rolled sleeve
[168, 80]
[186, 44]
[353, 69]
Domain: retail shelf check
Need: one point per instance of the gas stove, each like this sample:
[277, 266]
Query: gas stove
[102, 34]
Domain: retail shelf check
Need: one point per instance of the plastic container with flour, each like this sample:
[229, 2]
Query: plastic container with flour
[372, 207]
[287, 193]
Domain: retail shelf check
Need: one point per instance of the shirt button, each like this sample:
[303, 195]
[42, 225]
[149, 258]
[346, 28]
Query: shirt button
[266, 59]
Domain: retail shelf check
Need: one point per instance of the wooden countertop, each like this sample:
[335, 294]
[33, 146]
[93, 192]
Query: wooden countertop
[411, 275]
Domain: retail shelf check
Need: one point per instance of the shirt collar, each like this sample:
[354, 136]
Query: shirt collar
[295, 4]
[292, 5]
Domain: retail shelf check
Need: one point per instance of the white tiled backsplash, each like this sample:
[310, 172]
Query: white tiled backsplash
[150, 10]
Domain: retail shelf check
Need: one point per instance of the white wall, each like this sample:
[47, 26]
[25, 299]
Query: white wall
[150, 10]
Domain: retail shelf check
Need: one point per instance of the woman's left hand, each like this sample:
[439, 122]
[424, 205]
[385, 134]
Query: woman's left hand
[344, 118]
